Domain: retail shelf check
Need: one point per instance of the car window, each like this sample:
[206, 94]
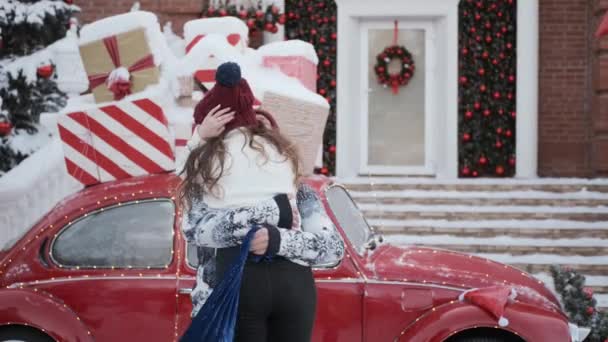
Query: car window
[136, 234]
[192, 255]
[349, 216]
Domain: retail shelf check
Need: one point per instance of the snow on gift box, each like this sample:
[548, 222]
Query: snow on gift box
[122, 54]
[294, 58]
[116, 141]
[233, 30]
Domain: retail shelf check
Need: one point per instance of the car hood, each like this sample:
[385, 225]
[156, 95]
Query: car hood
[448, 268]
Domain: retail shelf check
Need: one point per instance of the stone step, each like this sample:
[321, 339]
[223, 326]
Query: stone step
[523, 250]
[524, 232]
[396, 214]
[601, 187]
[588, 269]
[369, 198]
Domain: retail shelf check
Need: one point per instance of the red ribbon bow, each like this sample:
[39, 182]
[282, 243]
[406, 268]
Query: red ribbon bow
[120, 88]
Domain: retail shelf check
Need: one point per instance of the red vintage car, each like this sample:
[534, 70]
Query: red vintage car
[109, 264]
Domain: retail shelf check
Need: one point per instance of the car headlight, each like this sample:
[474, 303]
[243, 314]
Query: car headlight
[578, 334]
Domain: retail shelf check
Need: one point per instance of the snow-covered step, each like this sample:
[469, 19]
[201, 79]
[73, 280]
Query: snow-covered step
[507, 244]
[558, 185]
[464, 198]
[467, 212]
[552, 229]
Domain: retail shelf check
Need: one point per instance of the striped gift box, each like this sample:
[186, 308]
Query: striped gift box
[117, 141]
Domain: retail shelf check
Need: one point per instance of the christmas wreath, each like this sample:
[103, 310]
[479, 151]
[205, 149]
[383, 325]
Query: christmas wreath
[407, 67]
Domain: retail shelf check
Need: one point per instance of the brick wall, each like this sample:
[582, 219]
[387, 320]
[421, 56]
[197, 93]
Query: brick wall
[599, 95]
[573, 84]
[176, 11]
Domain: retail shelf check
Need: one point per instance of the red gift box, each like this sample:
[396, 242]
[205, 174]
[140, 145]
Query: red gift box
[117, 141]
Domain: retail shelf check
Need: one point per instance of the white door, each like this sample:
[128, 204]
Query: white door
[396, 130]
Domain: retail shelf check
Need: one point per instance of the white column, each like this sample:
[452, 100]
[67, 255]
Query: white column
[527, 89]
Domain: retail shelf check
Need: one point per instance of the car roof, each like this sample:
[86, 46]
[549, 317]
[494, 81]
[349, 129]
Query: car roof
[149, 186]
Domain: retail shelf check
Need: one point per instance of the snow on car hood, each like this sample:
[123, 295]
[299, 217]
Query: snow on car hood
[448, 268]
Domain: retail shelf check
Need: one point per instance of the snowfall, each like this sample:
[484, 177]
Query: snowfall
[35, 186]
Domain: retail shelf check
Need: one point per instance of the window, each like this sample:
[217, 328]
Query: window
[349, 217]
[192, 255]
[130, 235]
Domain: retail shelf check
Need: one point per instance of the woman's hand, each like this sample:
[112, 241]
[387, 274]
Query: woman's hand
[259, 244]
[215, 122]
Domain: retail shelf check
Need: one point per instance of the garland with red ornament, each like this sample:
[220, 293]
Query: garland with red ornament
[314, 21]
[403, 57]
[579, 303]
[487, 88]
[256, 17]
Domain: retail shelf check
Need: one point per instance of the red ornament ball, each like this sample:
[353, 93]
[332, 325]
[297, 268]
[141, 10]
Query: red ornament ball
[251, 23]
[274, 10]
[588, 291]
[322, 91]
[45, 71]
[500, 170]
[485, 55]
[477, 16]
[268, 27]
[324, 170]
[488, 39]
[463, 79]
[498, 144]
[282, 19]
[475, 174]
[512, 161]
[243, 14]
[322, 40]
[487, 112]
[5, 128]
[511, 78]
[481, 71]
[477, 105]
[465, 171]
[334, 35]
[497, 95]
[332, 83]
[590, 310]
[468, 114]
[465, 51]
[482, 88]
[222, 12]
[327, 62]
[259, 14]
[332, 148]
[466, 137]
[313, 32]
[483, 160]
[508, 133]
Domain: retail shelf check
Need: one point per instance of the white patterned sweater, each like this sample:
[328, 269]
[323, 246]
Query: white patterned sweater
[249, 188]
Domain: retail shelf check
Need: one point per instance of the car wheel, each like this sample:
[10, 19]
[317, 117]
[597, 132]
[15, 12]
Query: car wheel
[23, 334]
[480, 339]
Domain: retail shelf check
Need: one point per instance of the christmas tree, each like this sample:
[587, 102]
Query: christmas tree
[314, 21]
[27, 79]
[486, 119]
[579, 303]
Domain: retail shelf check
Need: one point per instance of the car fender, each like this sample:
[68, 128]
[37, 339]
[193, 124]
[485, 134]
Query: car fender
[531, 323]
[40, 310]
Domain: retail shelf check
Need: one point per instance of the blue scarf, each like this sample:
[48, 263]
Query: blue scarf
[216, 320]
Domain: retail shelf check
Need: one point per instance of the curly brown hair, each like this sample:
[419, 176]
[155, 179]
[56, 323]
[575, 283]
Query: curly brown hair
[206, 163]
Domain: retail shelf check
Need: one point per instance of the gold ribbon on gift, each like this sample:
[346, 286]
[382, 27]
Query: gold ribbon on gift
[128, 50]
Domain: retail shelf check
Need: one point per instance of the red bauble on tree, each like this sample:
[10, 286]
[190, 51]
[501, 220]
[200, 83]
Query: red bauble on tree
[5, 128]
[45, 71]
[332, 148]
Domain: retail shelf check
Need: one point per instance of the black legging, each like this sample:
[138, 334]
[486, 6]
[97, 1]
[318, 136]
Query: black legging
[277, 302]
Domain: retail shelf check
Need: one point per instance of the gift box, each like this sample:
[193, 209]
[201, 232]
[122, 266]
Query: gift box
[119, 65]
[302, 122]
[232, 29]
[295, 58]
[117, 141]
[295, 66]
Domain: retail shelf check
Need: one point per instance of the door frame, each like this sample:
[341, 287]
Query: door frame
[430, 92]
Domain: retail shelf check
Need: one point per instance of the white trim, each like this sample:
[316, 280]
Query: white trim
[527, 89]
[444, 14]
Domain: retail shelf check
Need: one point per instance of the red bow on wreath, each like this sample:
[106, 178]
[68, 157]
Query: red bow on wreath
[118, 80]
[404, 57]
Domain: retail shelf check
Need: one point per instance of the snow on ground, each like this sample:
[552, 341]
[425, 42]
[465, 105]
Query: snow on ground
[493, 241]
[482, 209]
[529, 194]
[491, 224]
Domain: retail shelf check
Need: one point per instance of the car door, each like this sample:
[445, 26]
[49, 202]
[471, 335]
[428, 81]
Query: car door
[114, 268]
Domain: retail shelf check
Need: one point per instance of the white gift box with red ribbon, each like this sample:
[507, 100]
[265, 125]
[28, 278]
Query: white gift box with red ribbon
[233, 29]
[117, 141]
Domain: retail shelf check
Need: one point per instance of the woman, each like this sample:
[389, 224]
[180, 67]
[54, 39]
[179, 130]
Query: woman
[245, 174]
